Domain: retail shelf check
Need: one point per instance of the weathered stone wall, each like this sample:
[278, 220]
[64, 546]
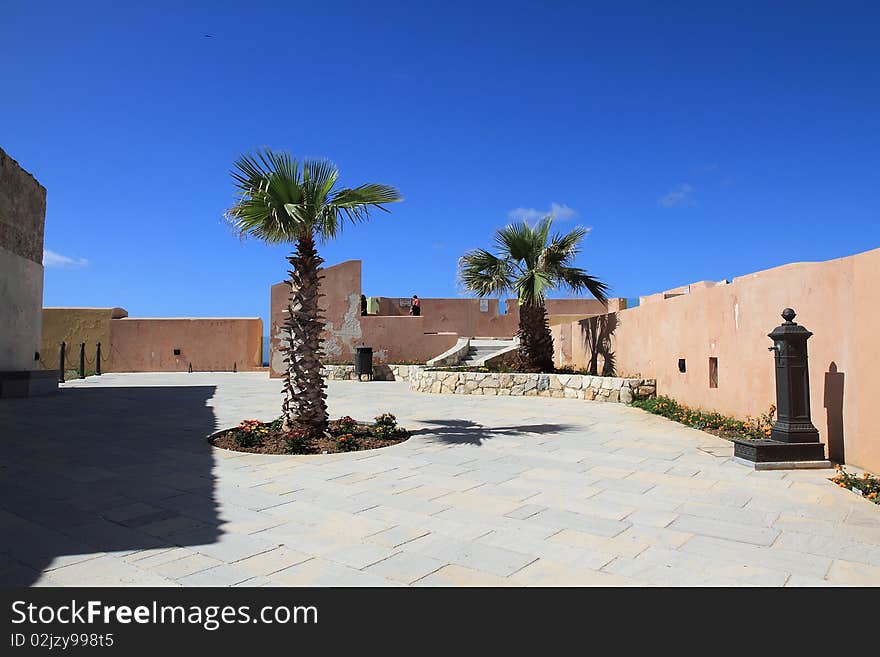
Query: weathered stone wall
[22, 217]
[22, 211]
[380, 372]
[572, 386]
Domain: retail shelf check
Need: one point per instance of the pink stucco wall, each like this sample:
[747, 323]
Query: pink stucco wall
[396, 336]
[210, 344]
[403, 339]
[464, 316]
[837, 300]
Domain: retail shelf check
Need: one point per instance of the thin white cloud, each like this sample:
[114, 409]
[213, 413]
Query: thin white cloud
[679, 197]
[559, 211]
[706, 168]
[52, 259]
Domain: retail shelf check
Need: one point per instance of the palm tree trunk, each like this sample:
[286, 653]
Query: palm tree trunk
[535, 339]
[305, 399]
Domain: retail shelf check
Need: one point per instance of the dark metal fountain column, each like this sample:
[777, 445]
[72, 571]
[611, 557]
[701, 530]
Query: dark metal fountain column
[793, 438]
[793, 424]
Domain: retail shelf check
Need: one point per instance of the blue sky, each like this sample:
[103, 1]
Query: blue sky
[698, 140]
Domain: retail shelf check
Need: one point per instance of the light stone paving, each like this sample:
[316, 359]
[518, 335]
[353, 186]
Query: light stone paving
[113, 483]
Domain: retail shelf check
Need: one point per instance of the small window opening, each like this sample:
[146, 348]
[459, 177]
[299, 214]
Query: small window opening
[177, 352]
[682, 365]
[713, 372]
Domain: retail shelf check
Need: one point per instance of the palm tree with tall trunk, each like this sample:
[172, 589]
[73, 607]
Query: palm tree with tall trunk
[530, 262]
[281, 200]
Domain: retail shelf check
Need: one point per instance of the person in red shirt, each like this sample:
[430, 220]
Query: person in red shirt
[416, 308]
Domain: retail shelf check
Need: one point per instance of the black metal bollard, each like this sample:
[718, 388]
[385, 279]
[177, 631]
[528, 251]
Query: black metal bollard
[190, 368]
[61, 363]
[82, 360]
[98, 359]
[234, 366]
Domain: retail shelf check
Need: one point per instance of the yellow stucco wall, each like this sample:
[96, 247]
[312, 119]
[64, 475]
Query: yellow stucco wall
[75, 326]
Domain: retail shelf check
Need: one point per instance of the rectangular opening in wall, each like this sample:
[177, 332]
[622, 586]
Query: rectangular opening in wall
[177, 352]
[682, 365]
[713, 372]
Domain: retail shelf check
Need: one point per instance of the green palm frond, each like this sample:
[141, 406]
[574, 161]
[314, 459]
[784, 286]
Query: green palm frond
[279, 198]
[484, 273]
[531, 263]
[563, 249]
[532, 287]
[569, 243]
[578, 280]
[541, 231]
[516, 241]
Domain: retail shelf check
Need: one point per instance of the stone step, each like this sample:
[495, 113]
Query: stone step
[495, 344]
[480, 354]
[481, 348]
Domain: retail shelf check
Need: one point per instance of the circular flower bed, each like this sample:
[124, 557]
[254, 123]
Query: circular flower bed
[344, 435]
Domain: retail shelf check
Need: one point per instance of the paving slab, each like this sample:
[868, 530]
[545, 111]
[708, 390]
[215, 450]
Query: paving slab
[406, 567]
[489, 491]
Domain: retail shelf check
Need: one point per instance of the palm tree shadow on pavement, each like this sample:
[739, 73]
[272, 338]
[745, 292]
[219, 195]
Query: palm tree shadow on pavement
[468, 432]
[103, 470]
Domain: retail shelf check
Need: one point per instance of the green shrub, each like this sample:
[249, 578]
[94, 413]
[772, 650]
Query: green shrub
[754, 428]
[343, 425]
[569, 369]
[297, 441]
[385, 432]
[868, 485]
[510, 369]
[458, 368]
[346, 442]
[250, 433]
[386, 420]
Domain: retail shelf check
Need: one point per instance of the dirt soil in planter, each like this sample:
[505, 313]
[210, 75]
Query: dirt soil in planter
[275, 443]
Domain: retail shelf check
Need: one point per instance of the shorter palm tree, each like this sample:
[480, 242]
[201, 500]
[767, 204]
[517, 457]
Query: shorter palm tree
[280, 200]
[529, 262]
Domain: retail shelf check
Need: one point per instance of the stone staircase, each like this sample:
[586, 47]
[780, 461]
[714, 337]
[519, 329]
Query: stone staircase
[481, 349]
